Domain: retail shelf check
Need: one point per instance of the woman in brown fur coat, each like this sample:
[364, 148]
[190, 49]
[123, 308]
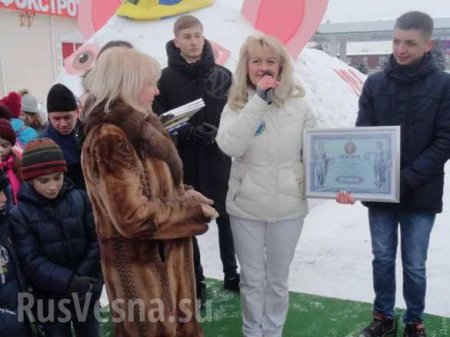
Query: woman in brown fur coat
[145, 216]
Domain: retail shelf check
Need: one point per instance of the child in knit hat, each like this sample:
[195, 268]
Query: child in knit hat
[30, 112]
[53, 229]
[9, 159]
[13, 103]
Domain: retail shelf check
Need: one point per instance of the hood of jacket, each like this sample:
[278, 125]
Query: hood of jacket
[196, 69]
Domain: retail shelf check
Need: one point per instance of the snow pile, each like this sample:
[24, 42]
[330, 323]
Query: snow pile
[331, 85]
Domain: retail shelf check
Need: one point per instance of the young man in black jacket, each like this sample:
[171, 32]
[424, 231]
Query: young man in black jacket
[192, 74]
[413, 93]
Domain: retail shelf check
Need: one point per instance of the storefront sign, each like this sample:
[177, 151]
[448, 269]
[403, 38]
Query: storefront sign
[66, 8]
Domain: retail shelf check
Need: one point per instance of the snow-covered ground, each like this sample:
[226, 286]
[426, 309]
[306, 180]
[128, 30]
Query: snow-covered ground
[333, 257]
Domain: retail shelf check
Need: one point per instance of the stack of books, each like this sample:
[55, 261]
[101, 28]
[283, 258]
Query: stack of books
[178, 117]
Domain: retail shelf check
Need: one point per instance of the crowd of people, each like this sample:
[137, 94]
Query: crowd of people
[102, 194]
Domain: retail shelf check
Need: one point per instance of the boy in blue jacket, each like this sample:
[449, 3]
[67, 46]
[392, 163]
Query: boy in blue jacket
[53, 230]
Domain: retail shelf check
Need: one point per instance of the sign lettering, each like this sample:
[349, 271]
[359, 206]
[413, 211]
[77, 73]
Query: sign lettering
[65, 8]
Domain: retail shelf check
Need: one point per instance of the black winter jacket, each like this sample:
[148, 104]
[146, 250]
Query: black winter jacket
[418, 99]
[71, 148]
[55, 239]
[206, 167]
[11, 283]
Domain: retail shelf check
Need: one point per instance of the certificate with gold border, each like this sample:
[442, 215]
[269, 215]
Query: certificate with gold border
[364, 161]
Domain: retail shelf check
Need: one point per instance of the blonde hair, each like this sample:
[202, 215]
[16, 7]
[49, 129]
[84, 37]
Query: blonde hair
[33, 120]
[121, 74]
[288, 87]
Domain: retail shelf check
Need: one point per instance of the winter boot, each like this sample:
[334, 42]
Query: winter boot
[381, 326]
[201, 293]
[232, 283]
[414, 330]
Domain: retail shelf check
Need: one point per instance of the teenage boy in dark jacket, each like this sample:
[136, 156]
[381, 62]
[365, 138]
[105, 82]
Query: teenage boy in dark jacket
[413, 93]
[53, 231]
[11, 280]
[192, 74]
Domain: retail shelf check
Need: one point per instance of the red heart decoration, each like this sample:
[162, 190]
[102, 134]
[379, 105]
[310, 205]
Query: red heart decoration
[93, 14]
[293, 22]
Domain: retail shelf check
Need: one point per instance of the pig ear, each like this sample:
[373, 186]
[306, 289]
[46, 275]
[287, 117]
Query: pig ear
[93, 14]
[293, 22]
[85, 18]
[221, 54]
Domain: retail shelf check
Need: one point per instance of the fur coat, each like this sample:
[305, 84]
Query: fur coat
[144, 222]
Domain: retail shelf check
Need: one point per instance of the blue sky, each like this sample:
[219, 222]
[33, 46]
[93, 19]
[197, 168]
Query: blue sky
[363, 10]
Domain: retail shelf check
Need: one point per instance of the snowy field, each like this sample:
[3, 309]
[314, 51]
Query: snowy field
[333, 257]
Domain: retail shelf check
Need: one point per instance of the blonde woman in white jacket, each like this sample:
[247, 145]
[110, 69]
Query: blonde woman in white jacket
[261, 128]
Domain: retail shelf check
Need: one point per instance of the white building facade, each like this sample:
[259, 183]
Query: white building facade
[33, 44]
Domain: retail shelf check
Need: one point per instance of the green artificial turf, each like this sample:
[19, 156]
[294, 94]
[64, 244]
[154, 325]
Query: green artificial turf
[309, 316]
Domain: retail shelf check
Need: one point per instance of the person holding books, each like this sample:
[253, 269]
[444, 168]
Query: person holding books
[192, 74]
[145, 215]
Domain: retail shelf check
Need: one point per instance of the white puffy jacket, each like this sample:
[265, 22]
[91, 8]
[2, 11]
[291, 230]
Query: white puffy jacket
[266, 181]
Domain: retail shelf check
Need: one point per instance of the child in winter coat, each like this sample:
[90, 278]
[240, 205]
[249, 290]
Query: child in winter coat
[29, 113]
[9, 160]
[24, 133]
[11, 280]
[53, 229]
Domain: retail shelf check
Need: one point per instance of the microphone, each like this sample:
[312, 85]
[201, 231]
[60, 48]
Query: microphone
[269, 92]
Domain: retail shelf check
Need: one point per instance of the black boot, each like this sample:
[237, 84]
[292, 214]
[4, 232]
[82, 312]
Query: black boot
[414, 330]
[201, 293]
[381, 326]
[232, 283]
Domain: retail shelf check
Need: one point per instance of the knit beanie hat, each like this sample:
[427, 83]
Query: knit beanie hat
[4, 181]
[61, 99]
[13, 102]
[30, 104]
[6, 131]
[40, 157]
[5, 112]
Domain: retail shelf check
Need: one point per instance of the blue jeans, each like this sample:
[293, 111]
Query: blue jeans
[415, 229]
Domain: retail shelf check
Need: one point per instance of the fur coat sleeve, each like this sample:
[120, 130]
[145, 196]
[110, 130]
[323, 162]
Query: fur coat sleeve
[134, 188]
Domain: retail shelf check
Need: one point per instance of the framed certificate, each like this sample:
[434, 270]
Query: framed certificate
[364, 161]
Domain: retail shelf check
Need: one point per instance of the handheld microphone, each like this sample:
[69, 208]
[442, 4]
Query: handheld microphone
[269, 92]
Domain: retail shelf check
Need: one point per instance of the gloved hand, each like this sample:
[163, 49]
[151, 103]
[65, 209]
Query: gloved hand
[204, 133]
[82, 284]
